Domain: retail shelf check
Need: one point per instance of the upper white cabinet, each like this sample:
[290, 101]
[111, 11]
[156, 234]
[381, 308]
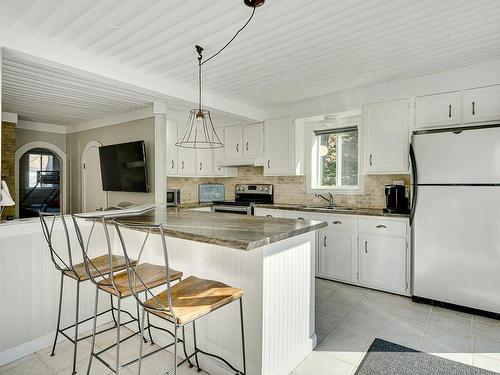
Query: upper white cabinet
[386, 137]
[171, 152]
[233, 138]
[253, 140]
[284, 148]
[182, 161]
[438, 110]
[481, 104]
[243, 142]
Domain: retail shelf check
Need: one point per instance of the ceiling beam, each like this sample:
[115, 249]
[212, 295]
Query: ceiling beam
[61, 56]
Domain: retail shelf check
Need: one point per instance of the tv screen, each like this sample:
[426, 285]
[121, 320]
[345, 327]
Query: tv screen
[123, 167]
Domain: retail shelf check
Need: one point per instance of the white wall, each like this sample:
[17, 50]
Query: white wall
[484, 74]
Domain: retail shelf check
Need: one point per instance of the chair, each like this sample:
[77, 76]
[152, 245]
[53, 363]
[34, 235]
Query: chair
[180, 304]
[116, 284]
[63, 262]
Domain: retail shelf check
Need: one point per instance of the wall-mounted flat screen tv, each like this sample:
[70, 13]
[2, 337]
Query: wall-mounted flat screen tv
[124, 168]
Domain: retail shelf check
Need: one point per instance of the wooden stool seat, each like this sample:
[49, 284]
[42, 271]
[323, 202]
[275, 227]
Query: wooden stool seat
[151, 275]
[102, 265]
[192, 298]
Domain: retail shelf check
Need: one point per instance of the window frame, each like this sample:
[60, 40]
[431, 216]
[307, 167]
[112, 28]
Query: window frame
[28, 182]
[312, 165]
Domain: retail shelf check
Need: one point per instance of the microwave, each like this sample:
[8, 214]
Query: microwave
[173, 197]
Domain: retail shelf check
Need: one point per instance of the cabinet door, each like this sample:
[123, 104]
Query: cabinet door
[482, 104]
[382, 263]
[204, 162]
[171, 164]
[253, 136]
[186, 158]
[335, 254]
[438, 110]
[279, 150]
[386, 137]
[233, 137]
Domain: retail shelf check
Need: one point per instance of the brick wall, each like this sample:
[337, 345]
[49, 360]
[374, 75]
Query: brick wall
[289, 189]
[8, 162]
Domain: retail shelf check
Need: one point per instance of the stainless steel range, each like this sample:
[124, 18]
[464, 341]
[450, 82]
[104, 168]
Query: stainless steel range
[245, 197]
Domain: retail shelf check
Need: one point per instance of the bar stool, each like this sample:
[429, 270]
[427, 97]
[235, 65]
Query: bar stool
[182, 303]
[100, 266]
[116, 284]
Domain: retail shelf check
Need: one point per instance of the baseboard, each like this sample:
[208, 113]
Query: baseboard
[35, 345]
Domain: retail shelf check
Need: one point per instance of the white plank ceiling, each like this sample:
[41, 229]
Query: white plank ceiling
[292, 49]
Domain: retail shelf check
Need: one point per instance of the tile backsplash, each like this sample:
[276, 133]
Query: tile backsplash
[289, 189]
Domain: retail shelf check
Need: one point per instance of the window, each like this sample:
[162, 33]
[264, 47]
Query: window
[39, 162]
[335, 159]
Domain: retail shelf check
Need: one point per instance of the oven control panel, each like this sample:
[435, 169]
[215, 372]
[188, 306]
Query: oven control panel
[265, 189]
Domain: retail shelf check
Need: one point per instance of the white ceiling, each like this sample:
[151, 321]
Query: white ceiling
[292, 49]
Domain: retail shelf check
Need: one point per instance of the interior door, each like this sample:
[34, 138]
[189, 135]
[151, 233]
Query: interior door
[456, 245]
[94, 197]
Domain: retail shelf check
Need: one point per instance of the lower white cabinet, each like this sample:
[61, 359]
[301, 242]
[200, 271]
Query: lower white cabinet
[337, 254]
[382, 263]
[362, 250]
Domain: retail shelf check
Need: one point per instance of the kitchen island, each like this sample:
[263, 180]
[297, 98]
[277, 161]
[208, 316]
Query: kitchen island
[271, 259]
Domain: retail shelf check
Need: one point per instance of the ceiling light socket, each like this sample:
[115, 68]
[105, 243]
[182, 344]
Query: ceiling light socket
[254, 3]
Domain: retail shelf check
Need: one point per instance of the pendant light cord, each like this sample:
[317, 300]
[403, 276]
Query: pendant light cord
[200, 55]
[233, 38]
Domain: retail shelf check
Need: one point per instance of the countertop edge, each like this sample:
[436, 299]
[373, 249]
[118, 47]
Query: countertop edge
[353, 212]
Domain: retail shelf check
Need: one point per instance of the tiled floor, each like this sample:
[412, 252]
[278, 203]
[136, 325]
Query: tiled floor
[348, 318]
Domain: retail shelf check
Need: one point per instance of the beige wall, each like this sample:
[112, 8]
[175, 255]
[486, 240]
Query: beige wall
[126, 132]
[290, 189]
[24, 136]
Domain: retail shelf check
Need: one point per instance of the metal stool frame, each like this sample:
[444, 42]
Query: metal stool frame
[103, 219]
[61, 265]
[162, 308]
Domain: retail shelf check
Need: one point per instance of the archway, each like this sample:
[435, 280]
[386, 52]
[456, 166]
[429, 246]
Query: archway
[52, 194]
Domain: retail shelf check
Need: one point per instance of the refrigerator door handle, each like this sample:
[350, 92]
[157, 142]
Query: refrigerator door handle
[415, 183]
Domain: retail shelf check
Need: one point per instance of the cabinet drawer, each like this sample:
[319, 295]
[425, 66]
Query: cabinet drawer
[383, 227]
[341, 223]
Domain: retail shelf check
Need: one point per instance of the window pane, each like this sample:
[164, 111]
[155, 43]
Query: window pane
[34, 166]
[338, 159]
[350, 158]
[328, 160]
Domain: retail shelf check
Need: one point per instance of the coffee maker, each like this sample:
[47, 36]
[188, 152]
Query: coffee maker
[395, 199]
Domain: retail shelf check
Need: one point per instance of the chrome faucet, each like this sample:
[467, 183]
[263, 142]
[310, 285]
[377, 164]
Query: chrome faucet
[329, 199]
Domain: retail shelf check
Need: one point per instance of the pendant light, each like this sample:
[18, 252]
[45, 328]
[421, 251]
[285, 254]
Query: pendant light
[200, 130]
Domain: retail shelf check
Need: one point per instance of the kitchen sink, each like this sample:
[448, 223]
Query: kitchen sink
[332, 208]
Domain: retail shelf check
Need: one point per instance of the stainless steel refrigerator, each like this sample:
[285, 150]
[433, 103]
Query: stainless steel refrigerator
[456, 216]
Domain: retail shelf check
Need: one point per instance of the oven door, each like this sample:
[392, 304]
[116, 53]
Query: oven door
[228, 209]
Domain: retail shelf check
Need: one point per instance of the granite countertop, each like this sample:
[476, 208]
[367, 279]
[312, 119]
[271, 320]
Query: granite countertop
[340, 210]
[235, 231]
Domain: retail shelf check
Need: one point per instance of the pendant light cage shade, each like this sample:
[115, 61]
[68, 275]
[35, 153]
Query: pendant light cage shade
[200, 131]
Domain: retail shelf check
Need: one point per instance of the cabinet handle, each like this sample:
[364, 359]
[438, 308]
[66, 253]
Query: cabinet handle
[246, 146]
[269, 164]
[172, 164]
[366, 247]
[324, 241]
[449, 110]
[269, 215]
[182, 165]
[300, 218]
[371, 159]
[237, 147]
[201, 166]
[473, 108]
[336, 222]
[381, 226]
